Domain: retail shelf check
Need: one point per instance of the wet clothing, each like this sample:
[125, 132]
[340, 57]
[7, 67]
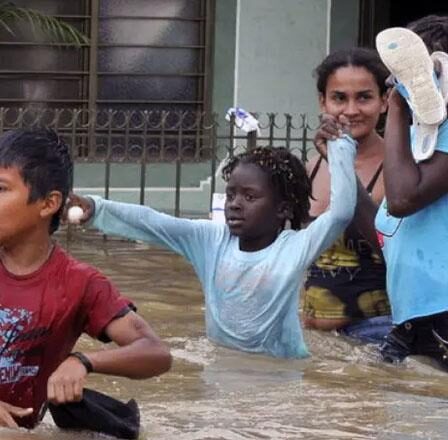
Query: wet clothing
[349, 279]
[368, 330]
[97, 412]
[251, 298]
[416, 253]
[41, 317]
[426, 336]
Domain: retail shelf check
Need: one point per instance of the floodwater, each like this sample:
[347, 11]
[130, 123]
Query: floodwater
[341, 392]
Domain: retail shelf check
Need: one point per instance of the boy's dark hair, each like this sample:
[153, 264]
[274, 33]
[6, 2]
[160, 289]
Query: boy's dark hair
[433, 30]
[44, 162]
[356, 57]
[287, 174]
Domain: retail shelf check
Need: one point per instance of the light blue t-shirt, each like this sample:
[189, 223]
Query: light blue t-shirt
[416, 254]
[251, 298]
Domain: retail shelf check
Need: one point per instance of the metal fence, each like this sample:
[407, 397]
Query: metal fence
[145, 137]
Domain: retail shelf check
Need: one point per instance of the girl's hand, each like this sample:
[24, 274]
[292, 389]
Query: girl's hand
[85, 203]
[330, 128]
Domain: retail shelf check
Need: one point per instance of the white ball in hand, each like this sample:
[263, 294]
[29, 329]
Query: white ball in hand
[75, 214]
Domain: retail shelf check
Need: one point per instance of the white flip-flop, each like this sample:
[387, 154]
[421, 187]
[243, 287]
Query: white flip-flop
[425, 140]
[425, 136]
[404, 53]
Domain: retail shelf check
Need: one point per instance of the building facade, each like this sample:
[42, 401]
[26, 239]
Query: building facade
[143, 103]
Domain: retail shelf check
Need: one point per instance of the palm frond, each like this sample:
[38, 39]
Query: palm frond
[57, 30]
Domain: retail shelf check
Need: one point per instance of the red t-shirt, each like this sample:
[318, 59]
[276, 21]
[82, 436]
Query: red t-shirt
[41, 317]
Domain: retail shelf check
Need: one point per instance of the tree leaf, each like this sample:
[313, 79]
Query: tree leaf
[56, 30]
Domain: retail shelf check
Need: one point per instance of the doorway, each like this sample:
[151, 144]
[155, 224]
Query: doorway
[376, 15]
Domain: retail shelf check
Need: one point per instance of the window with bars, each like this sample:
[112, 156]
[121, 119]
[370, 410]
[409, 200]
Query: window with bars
[144, 74]
[143, 53]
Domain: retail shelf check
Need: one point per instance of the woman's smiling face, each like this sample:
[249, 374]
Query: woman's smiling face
[353, 92]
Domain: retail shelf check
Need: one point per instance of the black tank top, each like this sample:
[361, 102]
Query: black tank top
[350, 266]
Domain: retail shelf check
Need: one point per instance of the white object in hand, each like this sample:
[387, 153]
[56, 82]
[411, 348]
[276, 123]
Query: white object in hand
[75, 214]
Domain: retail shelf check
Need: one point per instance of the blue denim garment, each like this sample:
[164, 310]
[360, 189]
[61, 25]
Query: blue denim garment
[369, 330]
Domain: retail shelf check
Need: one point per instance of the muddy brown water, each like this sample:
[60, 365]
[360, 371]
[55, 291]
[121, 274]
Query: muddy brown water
[341, 392]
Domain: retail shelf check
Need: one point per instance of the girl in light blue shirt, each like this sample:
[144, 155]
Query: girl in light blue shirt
[252, 267]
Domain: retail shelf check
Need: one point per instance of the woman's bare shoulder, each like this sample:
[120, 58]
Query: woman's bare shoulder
[313, 163]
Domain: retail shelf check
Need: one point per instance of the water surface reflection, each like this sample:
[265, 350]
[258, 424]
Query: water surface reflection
[341, 392]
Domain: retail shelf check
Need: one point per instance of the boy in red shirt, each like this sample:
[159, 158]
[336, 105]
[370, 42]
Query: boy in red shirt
[47, 298]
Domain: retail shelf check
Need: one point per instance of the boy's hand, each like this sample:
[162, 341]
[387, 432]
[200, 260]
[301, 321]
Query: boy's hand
[85, 203]
[330, 128]
[395, 100]
[7, 412]
[67, 382]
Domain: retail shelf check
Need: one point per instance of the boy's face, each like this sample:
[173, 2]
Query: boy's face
[18, 218]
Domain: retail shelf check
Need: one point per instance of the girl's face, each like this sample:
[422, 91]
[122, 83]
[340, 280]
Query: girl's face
[353, 92]
[252, 212]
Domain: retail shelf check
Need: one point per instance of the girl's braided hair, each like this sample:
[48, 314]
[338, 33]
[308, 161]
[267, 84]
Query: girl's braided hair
[287, 174]
[433, 30]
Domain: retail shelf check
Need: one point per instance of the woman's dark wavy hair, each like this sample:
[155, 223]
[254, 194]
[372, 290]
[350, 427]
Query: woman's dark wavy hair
[357, 57]
[433, 30]
[287, 174]
[44, 162]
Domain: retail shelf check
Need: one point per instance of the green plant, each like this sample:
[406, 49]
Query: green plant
[57, 30]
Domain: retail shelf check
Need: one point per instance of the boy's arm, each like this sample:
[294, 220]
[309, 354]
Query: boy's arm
[323, 231]
[410, 186]
[108, 316]
[364, 218]
[140, 354]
